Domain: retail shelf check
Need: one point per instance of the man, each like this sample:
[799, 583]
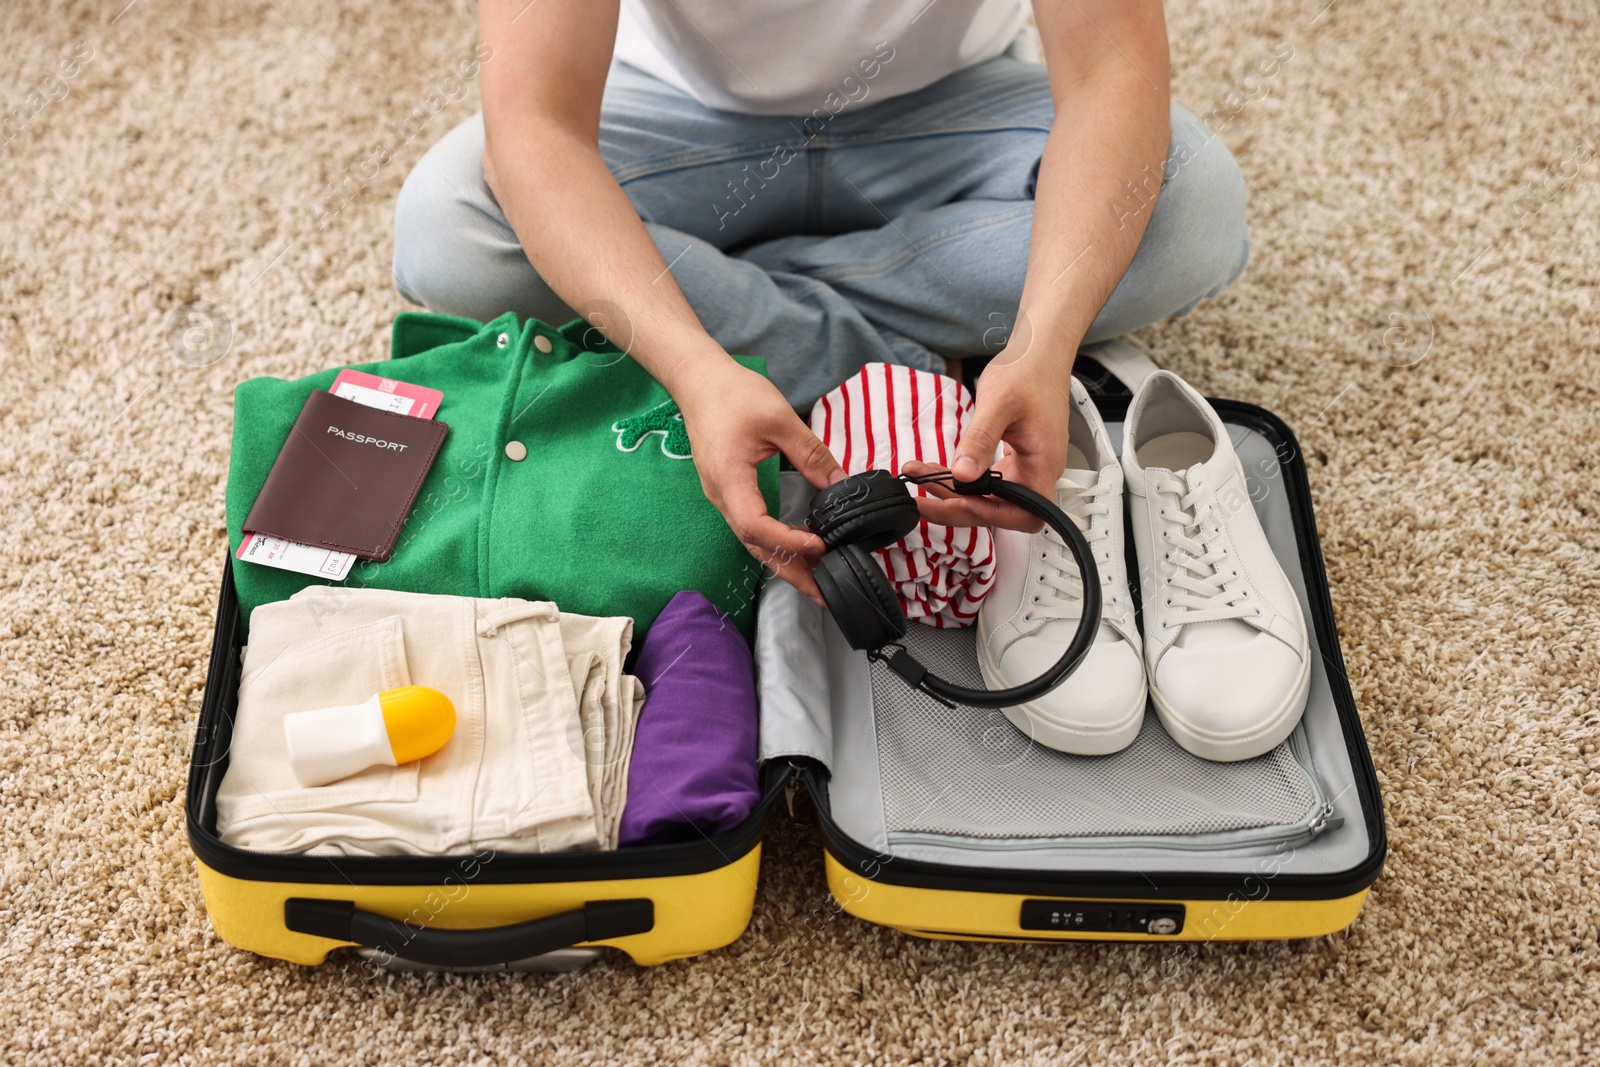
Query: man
[827, 183]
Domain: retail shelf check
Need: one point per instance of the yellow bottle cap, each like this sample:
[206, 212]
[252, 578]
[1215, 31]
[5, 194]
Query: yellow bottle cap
[419, 721]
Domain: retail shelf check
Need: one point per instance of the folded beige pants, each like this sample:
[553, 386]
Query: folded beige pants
[544, 725]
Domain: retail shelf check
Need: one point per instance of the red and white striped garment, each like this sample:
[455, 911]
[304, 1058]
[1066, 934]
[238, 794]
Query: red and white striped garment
[886, 416]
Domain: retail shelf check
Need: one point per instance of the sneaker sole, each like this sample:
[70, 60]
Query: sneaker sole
[1226, 748]
[1057, 735]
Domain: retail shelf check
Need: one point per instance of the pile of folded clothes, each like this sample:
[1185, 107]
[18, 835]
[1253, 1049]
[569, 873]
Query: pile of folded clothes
[538, 760]
[497, 513]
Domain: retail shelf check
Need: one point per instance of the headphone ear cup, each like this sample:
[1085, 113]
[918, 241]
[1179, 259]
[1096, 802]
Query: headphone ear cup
[860, 598]
[873, 509]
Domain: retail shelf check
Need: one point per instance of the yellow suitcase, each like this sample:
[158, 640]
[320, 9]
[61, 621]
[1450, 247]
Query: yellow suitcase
[949, 823]
[654, 903]
[836, 724]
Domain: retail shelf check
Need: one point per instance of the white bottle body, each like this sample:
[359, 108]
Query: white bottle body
[328, 744]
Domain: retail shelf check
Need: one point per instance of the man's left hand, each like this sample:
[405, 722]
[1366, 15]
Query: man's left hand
[1024, 401]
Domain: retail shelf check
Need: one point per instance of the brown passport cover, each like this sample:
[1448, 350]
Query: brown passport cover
[347, 477]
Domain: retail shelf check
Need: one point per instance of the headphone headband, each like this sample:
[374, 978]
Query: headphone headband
[862, 511]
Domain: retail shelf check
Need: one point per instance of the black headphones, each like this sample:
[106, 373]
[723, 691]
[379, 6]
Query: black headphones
[874, 509]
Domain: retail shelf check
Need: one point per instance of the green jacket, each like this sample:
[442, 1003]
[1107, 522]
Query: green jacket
[603, 516]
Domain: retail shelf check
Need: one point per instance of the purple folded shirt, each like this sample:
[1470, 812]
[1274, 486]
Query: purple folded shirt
[693, 770]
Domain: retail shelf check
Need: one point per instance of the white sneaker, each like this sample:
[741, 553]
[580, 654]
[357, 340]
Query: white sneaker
[1224, 634]
[1031, 614]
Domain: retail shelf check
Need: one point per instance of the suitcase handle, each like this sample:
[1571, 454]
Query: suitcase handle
[598, 920]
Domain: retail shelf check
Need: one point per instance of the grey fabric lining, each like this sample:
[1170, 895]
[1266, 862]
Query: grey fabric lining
[971, 773]
[856, 784]
[792, 659]
[792, 666]
[815, 696]
[820, 700]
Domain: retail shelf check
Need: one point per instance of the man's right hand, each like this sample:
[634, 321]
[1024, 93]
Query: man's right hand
[736, 418]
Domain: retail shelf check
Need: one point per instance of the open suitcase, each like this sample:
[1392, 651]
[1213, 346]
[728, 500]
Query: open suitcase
[940, 822]
[950, 823]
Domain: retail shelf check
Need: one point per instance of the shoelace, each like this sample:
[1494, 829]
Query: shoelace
[1084, 505]
[1201, 588]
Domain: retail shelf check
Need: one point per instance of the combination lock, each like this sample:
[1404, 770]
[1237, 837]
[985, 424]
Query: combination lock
[1105, 917]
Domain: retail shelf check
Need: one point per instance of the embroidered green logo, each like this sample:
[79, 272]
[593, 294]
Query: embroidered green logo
[664, 419]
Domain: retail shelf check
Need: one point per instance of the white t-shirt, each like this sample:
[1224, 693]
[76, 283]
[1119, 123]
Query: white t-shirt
[792, 57]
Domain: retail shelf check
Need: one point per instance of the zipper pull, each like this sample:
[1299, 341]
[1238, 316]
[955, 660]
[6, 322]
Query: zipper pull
[1325, 821]
[789, 790]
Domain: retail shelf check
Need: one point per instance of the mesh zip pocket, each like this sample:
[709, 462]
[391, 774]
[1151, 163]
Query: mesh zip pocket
[968, 772]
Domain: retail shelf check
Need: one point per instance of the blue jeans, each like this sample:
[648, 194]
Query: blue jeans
[893, 231]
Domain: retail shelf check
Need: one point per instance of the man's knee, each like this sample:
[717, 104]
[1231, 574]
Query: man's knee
[1197, 241]
[454, 251]
[444, 236]
[423, 216]
[1204, 197]
[410, 231]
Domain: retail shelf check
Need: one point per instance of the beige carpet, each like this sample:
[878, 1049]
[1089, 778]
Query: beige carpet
[1429, 162]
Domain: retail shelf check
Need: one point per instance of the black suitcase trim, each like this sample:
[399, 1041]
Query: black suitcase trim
[208, 761]
[1137, 885]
